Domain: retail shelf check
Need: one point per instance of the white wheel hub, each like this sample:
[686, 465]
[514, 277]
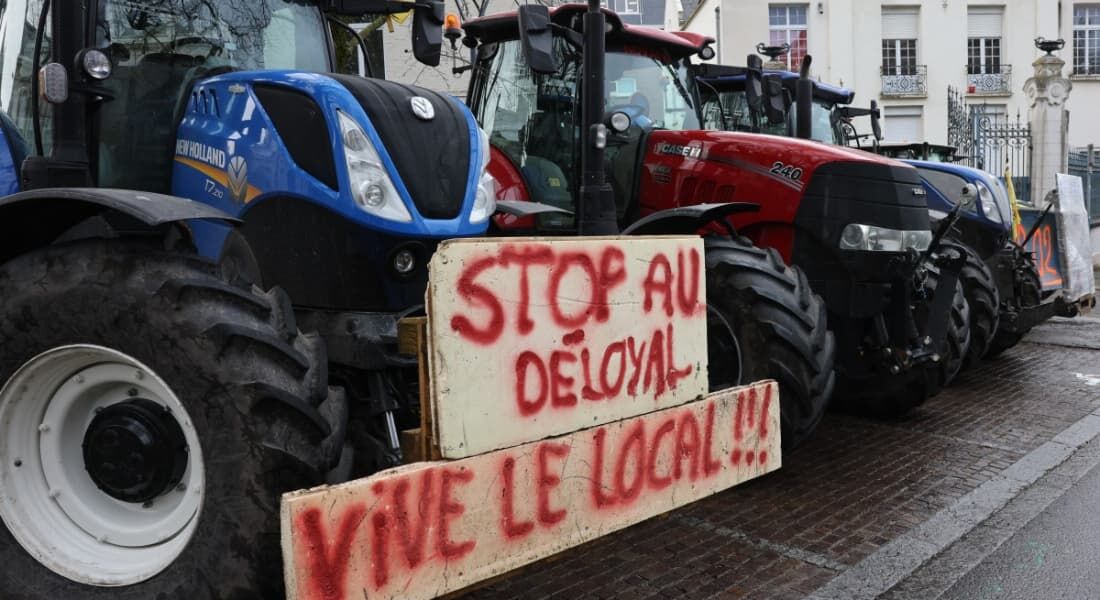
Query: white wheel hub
[49, 501]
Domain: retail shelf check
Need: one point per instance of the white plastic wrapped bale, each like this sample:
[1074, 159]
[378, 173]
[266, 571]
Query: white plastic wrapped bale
[1075, 243]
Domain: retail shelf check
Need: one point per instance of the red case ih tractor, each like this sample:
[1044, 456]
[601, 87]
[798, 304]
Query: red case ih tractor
[818, 228]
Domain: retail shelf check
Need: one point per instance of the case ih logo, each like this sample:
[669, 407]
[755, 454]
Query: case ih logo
[678, 150]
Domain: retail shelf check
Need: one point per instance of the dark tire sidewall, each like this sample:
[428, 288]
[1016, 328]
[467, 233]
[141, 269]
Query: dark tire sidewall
[73, 305]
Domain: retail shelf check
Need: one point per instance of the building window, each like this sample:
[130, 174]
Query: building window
[983, 56]
[787, 25]
[899, 57]
[623, 89]
[983, 45]
[623, 7]
[985, 73]
[1086, 39]
[899, 41]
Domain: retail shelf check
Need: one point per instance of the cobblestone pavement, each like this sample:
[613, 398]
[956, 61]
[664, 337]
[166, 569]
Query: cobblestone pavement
[855, 486]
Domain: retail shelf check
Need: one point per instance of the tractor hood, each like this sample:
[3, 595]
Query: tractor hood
[793, 163]
[431, 152]
[807, 193]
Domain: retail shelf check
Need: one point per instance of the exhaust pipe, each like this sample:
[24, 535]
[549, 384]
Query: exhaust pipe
[804, 95]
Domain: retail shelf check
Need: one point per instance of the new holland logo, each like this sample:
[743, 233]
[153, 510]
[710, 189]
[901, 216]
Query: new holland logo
[422, 108]
[238, 178]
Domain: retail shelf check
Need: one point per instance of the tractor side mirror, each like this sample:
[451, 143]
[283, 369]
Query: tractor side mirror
[804, 93]
[754, 85]
[537, 38]
[427, 34]
[775, 100]
[876, 126]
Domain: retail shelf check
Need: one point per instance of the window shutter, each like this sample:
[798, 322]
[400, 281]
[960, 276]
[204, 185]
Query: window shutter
[903, 124]
[899, 23]
[985, 22]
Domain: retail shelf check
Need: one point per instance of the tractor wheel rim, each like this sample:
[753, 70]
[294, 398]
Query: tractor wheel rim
[49, 500]
[725, 367]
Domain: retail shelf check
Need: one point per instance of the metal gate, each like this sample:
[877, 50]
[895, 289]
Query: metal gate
[990, 140]
[1085, 163]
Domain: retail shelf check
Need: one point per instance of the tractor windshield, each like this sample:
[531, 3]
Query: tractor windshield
[533, 119]
[728, 110]
[160, 48]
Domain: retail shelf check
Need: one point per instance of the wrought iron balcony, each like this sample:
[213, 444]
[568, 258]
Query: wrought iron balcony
[904, 81]
[998, 83]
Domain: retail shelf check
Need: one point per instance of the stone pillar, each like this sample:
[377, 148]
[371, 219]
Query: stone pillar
[1047, 92]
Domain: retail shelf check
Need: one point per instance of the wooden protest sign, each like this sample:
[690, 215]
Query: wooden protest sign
[532, 338]
[431, 528]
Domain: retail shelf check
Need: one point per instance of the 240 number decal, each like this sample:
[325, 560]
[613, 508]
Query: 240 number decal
[784, 170]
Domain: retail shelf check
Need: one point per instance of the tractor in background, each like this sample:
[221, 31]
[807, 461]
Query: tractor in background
[825, 274]
[1001, 280]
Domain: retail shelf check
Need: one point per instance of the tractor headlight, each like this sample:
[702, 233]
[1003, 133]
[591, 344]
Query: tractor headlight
[989, 204]
[95, 62]
[371, 187]
[485, 202]
[883, 239]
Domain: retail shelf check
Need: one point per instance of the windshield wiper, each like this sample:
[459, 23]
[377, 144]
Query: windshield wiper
[680, 86]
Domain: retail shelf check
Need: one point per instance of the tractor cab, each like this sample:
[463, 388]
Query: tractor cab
[148, 57]
[160, 51]
[727, 105]
[136, 63]
[533, 120]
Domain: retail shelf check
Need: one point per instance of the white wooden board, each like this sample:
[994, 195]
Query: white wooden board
[531, 338]
[432, 528]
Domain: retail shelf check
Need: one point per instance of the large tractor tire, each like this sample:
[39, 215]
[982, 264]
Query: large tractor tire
[765, 323]
[895, 395]
[959, 336]
[1029, 292]
[150, 417]
[983, 299]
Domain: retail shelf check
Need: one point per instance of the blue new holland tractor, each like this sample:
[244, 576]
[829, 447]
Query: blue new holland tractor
[188, 187]
[175, 173]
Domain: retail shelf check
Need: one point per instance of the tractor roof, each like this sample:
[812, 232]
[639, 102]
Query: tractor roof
[734, 77]
[504, 26]
[968, 173]
[916, 150]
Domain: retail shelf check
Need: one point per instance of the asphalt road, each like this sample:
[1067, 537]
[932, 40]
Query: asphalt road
[1053, 556]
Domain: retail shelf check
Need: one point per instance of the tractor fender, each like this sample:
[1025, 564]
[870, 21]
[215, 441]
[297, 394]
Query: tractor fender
[687, 219]
[36, 218]
[524, 208]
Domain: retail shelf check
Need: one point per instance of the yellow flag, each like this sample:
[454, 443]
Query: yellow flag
[1017, 232]
[401, 17]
